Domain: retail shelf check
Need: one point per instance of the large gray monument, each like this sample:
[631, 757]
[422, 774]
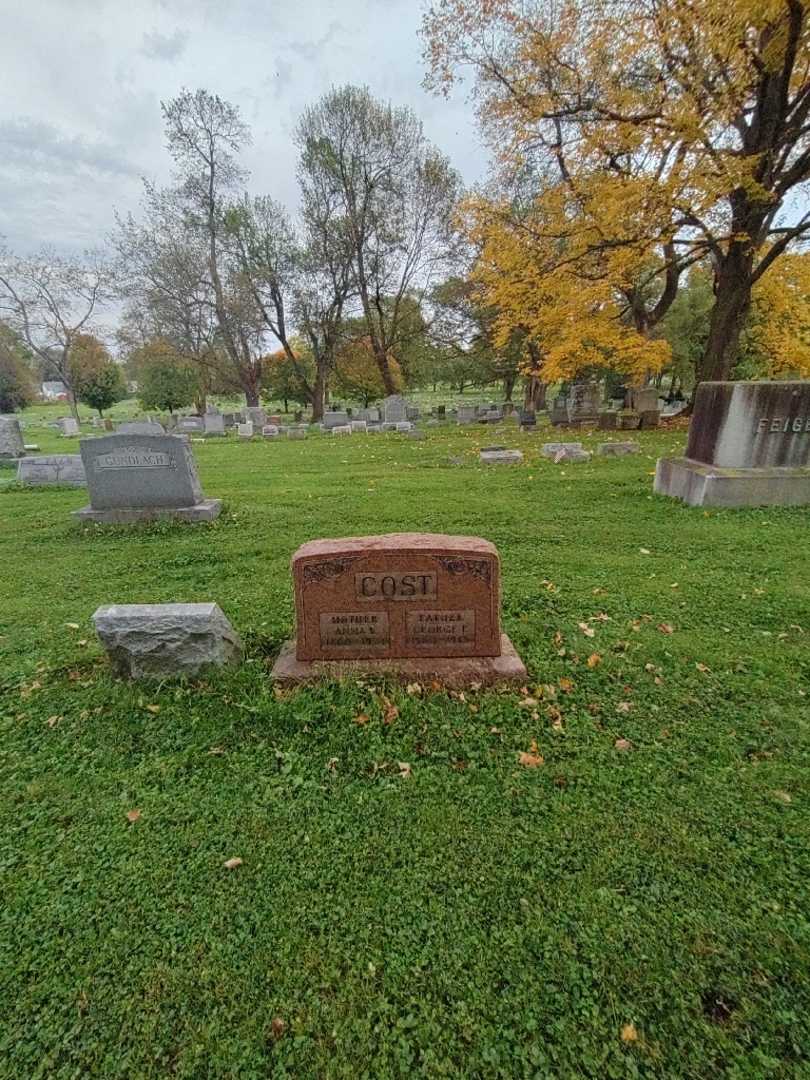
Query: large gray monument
[142, 477]
[749, 445]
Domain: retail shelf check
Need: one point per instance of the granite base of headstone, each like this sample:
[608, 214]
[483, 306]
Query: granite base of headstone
[52, 470]
[608, 420]
[341, 429]
[161, 641]
[11, 439]
[649, 418]
[245, 431]
[416, 435]
[135, 478]
[270, 431]
[748, 445]
[413, 606]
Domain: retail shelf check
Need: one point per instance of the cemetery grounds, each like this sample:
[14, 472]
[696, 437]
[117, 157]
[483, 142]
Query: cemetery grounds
[604, 874]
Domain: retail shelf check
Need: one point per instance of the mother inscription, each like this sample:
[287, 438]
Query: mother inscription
[140, 477]
[415, 604]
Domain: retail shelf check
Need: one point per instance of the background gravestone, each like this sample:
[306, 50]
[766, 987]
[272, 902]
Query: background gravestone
[59, 470]
[11, 440]
[749, 445]
[140, 477]
[394, 409]
[139, 427]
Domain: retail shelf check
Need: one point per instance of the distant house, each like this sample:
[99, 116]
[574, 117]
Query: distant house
[54, 391]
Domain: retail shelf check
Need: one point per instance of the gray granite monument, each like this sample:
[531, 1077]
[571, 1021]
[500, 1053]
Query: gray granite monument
[749, 445]
[136, 478]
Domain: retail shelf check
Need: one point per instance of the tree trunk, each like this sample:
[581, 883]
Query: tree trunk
[509, 385]
[732, 301]
[318, 393]
[534, 394]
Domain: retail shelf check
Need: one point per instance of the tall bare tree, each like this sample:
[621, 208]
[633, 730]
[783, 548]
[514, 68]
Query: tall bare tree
[395, 194]
[205, 135]
[51, 301]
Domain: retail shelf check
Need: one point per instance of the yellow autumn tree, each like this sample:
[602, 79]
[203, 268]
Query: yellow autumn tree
[778, 329]
[635, 138]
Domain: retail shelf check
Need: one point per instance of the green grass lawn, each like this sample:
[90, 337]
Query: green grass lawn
[412, 901]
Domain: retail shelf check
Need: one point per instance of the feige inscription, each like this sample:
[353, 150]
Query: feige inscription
[353, 630]
[782, 426]
[395, 586]
[135, 459]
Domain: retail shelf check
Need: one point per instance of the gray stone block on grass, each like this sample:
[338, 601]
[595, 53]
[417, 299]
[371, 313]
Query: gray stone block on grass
[618, 449]
[55, 470]
[561, 452]
[496, 456]
[165, 640]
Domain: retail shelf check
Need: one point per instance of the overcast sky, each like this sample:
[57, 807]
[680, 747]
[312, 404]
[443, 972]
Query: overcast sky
[81, 83]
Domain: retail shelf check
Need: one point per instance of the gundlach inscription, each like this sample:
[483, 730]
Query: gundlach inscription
[395, 585]
[135, 459]
[354, 629]
[440, 627]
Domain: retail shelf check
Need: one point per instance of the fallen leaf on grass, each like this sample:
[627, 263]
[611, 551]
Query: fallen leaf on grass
[703, 668]
[555, 716]
[413, 688]
[629, 1033]
[594, 660]
[588, 631]
[72, 625]
[783, 797]
[153, 709]
[666, 628]
[277, 1027]
[624, 706]
[133, 815]
[361, 719]
[623, 744]
[404, 770]
[52, 721]
[531, 761]
[566, 685]
[390, 711]
[528, 703]
[644, 551]
[231, 864]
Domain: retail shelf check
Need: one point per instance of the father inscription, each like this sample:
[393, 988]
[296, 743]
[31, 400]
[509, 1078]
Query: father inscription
[415, 604]
[140, 477]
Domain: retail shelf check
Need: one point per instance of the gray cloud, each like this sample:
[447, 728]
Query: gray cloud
[159, 46]
[38, 147]
[75, 142]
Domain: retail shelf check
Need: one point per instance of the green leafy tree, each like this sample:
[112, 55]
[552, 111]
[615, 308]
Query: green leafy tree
[165, 379]
[96, 378]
